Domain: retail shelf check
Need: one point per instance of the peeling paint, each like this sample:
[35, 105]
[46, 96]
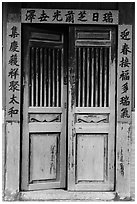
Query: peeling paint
[52, 164]
[121, 162]
[119, 198]
[129, 133]
[11, 196]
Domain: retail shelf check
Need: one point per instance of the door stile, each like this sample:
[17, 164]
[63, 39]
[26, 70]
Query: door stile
[63, 118]
[25, 128]
[112, 100]
[71, 108]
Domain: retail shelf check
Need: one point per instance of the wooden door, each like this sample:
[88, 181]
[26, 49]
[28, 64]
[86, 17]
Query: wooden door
[44, 115]
[91, 128]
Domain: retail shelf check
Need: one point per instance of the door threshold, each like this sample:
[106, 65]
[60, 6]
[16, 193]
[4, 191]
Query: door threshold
[65, 195]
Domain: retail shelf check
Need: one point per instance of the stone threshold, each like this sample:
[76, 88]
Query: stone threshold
[51, 195]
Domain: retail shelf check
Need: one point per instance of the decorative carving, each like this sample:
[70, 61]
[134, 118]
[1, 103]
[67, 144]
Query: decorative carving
[44, 118]
[92, 118]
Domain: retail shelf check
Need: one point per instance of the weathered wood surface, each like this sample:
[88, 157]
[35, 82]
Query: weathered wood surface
[86, 124]
[90, 156]
[92, 128]
[43, 154]
[88, 16]
[123, 159]
[43, 157]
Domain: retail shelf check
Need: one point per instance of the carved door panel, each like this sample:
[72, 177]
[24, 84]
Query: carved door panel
[44, 115]
[91, 109]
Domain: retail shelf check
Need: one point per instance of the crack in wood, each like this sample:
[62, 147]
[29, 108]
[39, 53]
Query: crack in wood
[122, 162]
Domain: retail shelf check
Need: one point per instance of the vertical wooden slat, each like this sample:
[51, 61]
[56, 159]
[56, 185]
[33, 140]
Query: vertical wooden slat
[41, 74]
[45, 77]
[53, 75]
[49, 76]
[61, 78]
[88, 77]
[92, 76]
[108, 75]
[96, 78]
[101, 64]
[32, 76]
[36, 94]
[79, 76]
[57, 77]
[83, 87]
[105, 77]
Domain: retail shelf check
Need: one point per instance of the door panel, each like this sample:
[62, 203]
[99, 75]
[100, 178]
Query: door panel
[44, 115]
[44, 154]
[90, 155]
[92, 109]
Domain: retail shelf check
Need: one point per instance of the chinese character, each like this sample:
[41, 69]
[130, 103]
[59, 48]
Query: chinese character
[13, 73]
[82, 15]
[43, 16]
[30, 15]
[70, 16]
[125, 49]
[57, 16]
[14, 33]
[124, 101]
[125, 87]
[12, 111]
[14, 46]
[13, 99]
[107, 17]
[124, 62]
[124, 113]
[124, 75]
[13, 86]
[95, 16]
[13, 60]
[124, 35]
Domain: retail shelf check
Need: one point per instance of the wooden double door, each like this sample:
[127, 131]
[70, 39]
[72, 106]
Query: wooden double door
[68, 108]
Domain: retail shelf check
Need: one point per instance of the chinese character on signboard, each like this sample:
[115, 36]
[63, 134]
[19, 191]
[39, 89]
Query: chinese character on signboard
[124, 73]
[13, 71]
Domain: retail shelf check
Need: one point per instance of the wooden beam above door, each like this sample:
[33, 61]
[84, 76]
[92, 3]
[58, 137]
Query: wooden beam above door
[72, 16]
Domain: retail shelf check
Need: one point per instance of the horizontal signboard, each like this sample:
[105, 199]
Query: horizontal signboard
[71, 16]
